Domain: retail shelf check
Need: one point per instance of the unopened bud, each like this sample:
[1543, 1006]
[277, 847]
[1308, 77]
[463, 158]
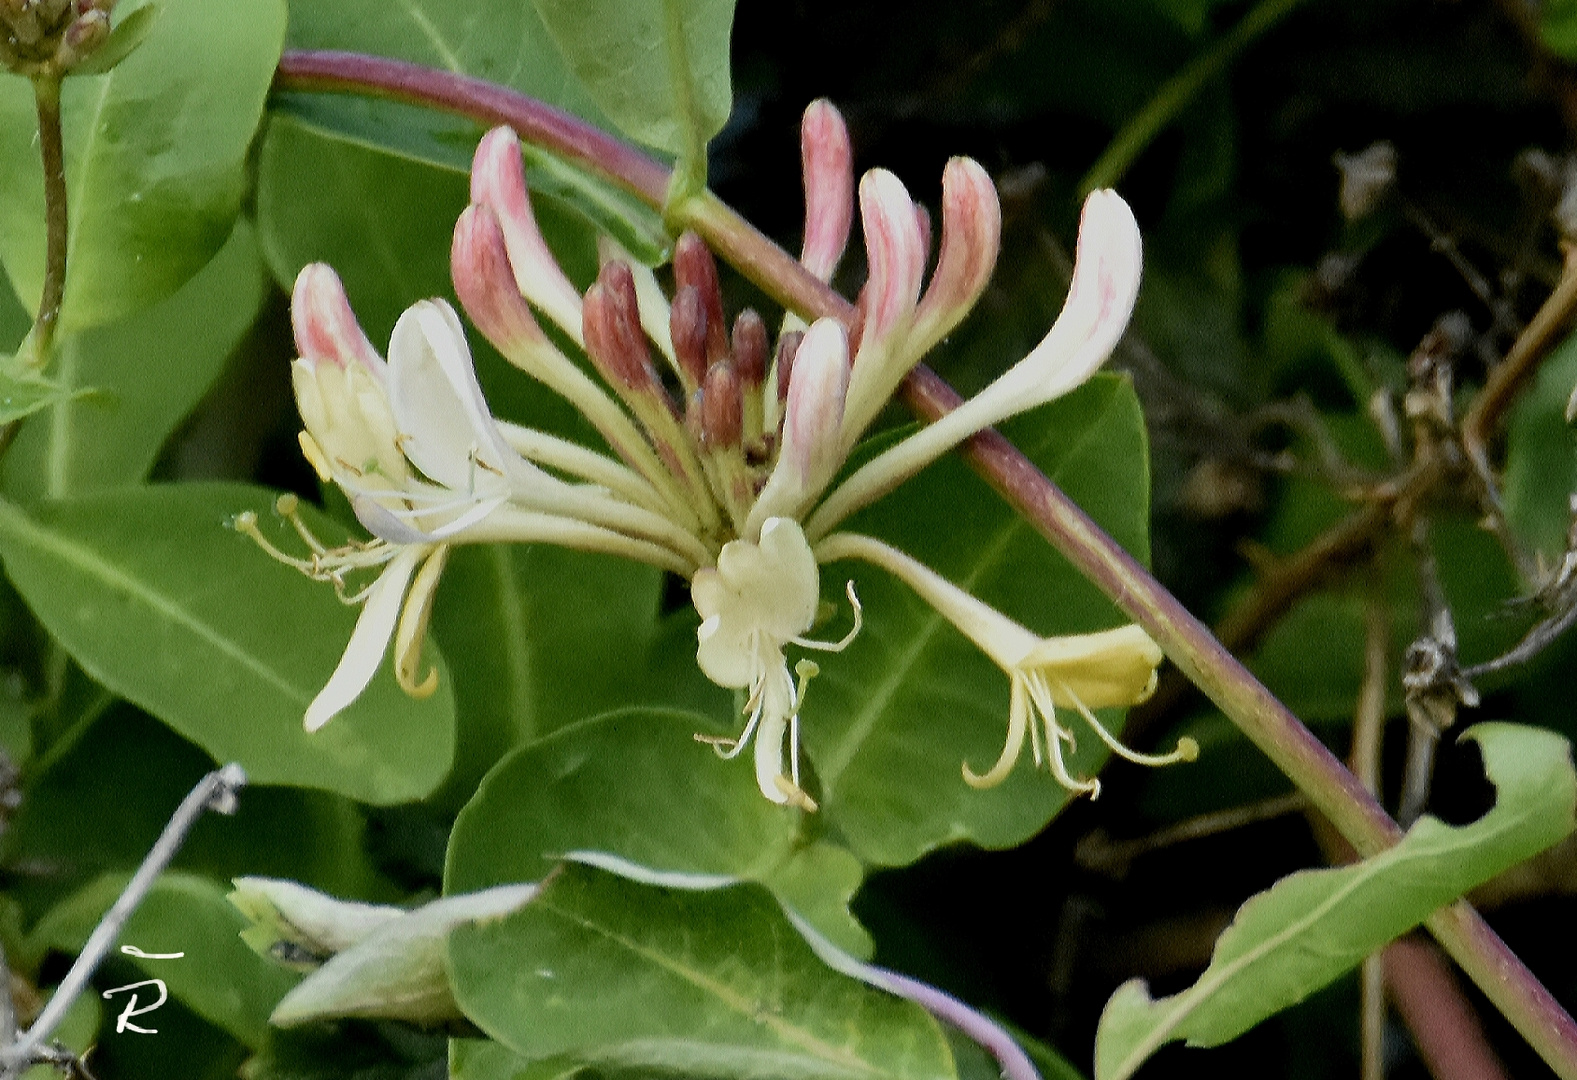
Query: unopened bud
[722, 408]
[485, 283]
[829, 188]
[83, 38]
[971, 238]
[325, 326]
[687, 323]
[750, 348]
[895, 250]
[614, 338]
[788, 345]
[694, 265]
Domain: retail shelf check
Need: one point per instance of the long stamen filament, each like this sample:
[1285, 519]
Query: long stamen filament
[1186, 750]
[847, 639]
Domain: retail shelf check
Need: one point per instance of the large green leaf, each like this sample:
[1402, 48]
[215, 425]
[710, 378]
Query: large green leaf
[162, 603]
[889, 722]
[218, 977]
[155, 159]
[1313, 926]
[134, 380]
[635, 784]
[659, 68]
[703, 983]
[539, 637]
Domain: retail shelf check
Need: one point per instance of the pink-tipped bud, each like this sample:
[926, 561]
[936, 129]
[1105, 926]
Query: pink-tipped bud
[788, 345]
[498, 181]
[895, 250]
[83, 37]
[813, 414]
[325, 326]
[828, 162]
[971, 238]
[722, 408]
[750, 348]
[614, 338]
[485, 283]
[694, 265]
[687, 327]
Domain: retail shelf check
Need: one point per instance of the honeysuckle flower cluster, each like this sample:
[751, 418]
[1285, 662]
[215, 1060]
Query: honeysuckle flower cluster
[722, 444]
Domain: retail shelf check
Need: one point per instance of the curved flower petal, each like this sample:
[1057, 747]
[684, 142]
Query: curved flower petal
[446, 428]
[812, 447]
[971, 238]
[368, 642]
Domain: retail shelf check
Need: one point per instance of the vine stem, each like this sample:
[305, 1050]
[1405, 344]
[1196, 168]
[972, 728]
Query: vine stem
[1333, 790]
[46, 96]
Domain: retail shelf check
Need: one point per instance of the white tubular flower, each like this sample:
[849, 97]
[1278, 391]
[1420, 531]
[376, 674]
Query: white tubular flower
[1082, 672]
[760, 597]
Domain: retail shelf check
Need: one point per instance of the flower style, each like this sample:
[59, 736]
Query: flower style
[731, 484]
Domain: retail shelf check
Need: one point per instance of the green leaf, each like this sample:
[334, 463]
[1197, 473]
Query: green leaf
[704, 983]
[162, 603]
[155, 159]
[593, 787]
[447, 142]
[24, 392]
[889, 722]
[659, 68]
[1316, 924]
[540, 637]
[132, 382]
[218, 978]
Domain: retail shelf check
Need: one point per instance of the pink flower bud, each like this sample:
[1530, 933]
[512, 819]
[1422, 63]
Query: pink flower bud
[485, 283]
[694, 265]
[813, 413]
[829, 188]
[722, 408]
[896, 252]
[325, 326]
[971, 238]
[750, 348]
[498, 181]
[614, 338]
[788, 345]
[687, 325]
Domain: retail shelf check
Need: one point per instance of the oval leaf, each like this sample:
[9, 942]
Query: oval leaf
[593, 787]
[713, 983]
[155, 158]
[162, 603]
[659, 68]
